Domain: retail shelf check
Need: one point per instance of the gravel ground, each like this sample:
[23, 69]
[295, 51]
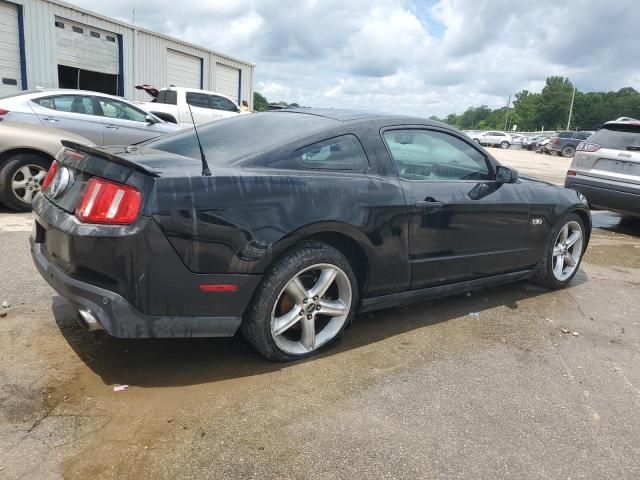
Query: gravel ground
[428, 391]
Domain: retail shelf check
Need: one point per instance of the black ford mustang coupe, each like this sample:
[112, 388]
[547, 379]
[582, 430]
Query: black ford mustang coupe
[305, 218]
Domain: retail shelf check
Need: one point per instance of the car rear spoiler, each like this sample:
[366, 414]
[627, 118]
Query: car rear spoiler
[108, 156]
[150, 89]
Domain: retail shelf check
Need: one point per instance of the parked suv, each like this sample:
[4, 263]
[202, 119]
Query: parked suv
[565, 143]
[494, 139]
[606, 169]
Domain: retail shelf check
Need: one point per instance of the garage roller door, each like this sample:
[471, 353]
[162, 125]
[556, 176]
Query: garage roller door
[228, 81]
[183, 70]
[10, 80]
[87, 48]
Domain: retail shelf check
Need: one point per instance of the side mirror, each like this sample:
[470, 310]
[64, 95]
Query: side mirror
[506, 174]
[150, 119]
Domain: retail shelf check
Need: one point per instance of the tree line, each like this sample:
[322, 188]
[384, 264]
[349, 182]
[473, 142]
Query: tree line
[261, 104]
[549, 109]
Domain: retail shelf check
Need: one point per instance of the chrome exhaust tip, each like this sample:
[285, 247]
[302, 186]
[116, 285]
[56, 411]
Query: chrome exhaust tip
[88, 320]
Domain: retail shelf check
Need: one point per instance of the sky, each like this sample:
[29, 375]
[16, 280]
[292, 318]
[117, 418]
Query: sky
[418, 57]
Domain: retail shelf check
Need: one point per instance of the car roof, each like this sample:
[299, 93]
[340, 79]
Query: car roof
[348, 115]
[45, 92]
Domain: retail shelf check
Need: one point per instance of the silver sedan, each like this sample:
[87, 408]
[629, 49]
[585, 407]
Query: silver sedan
[101, 118]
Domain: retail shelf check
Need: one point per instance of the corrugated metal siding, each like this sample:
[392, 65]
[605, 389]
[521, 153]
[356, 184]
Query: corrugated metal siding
[9, 49]
[150, 50]
[183, 70]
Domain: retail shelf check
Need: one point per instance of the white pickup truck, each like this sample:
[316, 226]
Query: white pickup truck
[171, 104]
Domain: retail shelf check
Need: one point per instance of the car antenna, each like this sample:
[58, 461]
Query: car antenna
[205, 167]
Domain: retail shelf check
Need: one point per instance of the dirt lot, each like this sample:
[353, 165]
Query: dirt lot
[484, 385]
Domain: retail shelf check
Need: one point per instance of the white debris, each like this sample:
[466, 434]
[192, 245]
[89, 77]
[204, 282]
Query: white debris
[120, 388]
[5, 304]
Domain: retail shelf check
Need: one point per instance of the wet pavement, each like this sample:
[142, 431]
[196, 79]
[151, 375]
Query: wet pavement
[485, 385]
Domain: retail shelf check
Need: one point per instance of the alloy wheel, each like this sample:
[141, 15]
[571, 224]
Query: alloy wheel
[504, 145]
[311, 309]
[26, 182]
[568, 152]
[567, 251]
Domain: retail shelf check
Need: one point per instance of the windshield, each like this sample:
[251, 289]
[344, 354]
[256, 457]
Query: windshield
[617, 137]
[225, 141]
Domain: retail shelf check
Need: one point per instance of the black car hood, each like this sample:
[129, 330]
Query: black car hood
[529, 179]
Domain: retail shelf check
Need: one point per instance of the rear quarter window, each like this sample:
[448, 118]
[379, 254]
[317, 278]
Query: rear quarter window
[340, 153]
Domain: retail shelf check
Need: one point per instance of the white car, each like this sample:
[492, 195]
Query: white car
[103, 119]
[494, 139]
[172, 105]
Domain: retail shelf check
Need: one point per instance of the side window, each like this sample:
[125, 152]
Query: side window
[161, 96]
[112, 108]
[198, 100]
[68, 103]
[433, 155]
[171, 97]
[339, 153]
[221, 103]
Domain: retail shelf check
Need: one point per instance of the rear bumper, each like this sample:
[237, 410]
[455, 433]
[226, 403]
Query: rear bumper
[118, 317]
[607, 196]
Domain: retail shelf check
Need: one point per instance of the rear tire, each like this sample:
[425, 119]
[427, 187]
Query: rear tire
[20, 178]
[552, 274]
[291, 315]
[568, 151]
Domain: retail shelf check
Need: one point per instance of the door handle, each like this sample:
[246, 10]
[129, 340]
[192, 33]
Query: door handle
[51, 119]
[428, 206]
[112, 127]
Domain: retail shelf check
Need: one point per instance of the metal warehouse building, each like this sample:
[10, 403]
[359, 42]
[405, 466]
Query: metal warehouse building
[52, 44]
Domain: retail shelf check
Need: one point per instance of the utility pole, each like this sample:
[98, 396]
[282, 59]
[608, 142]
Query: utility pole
[133, 16]
[573, 96]
[506, 117]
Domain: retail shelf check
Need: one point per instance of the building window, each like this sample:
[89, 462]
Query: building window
[59, 24]
[77, 29]
[110, 38]
[95, 34]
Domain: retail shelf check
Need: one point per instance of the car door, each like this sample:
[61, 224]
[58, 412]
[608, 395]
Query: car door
[462, 223]
[70, 112]
[125, 124]
[200, 107]
[223, 107]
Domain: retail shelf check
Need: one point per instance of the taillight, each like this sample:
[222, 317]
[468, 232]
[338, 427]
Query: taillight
[587, 147]
[556, 141]
[53, 169]
[108, 202]
[3, 112]
[571, 173]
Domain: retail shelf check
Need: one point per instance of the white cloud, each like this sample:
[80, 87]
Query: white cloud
[405, 55]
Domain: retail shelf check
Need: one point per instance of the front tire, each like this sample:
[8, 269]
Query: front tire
[21, 178]
[504, 145]
[304, 303]
[563, 253]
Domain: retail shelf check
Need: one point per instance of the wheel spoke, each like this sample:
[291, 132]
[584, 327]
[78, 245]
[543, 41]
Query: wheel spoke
[286, 321]
[557, 251]
[559, 266]
[327, 276]
[568, 259]
[40, 175]
[573, 238]
[28, 194]
[564, 234]
[26, 172]
[296, 289]
[308, 338]
[18, 184]
[333, 308]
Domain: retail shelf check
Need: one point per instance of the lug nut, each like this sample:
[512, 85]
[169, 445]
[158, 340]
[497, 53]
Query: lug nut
[305, 300]
[301, 312]
[309, 317]
[317, 307]
[316, 297]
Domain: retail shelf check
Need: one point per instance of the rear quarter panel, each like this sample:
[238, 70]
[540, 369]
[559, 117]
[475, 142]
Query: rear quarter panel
[240, 221]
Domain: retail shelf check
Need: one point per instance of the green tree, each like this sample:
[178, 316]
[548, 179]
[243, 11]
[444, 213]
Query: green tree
[260, 103]
[555, 101]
